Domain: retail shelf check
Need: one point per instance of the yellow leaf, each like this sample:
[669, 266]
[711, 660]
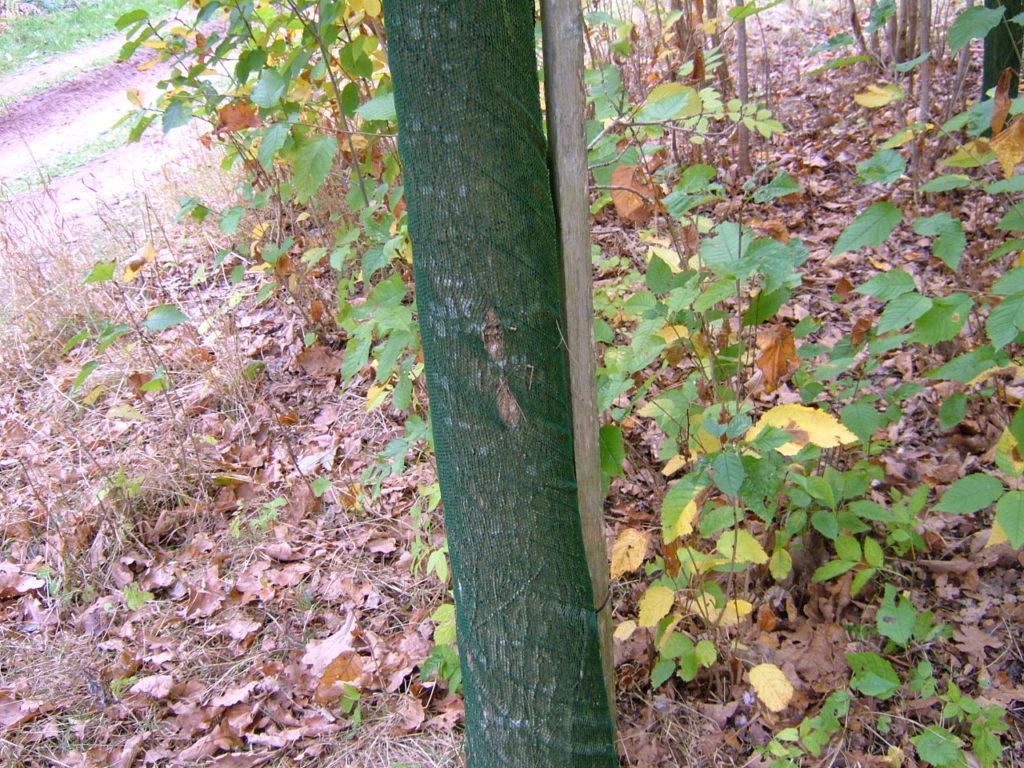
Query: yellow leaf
[628, 551]
[740, 547]
[134, 96]
[148, 64]
[808, 426]
[997, 536]
[734, 612]
[1009, 146]
[655, 604]
[624, 630]
[683, 526]
[128, 412]
[894, 756]
[703, 442]
[772, 686]
[371, 7]
[134, 265]
[1008, 450]
[674, 464]
[781, 563]
[673, 333]
[875, 96]
[730, 615]
[971, 155]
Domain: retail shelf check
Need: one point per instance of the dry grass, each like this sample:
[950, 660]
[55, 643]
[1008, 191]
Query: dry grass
[135, 536]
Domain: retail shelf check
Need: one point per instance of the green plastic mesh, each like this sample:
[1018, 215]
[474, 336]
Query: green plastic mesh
[490, 305]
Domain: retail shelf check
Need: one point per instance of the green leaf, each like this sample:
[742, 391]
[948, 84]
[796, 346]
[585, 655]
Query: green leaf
[1012, 184]
[101, 272]
[862, 419]
[175, 116]
[1005, 321]
[613, 450]
[967, 367]
[952, 410]
[945, 183]
[668, 101]
[871, 228]
[379, 108]
[970, 494]
[230, 218]
[888, 285]
[1010, 516]
[950, 241]
[728, 473]
[873, 555]
[313, 161]
[896, 616]
[883, 167]
[1010, 283]
[272, 141]
[935, 745]
[661, 672]
[780, 186]
[321, 486]
[742, 11]
[906, 66]
[944, 320]
[872, 675]
[270, 88]
[163, 317]
[83, 374]
[973, 23]
[139, 14]
[903, 310]
[832, 569]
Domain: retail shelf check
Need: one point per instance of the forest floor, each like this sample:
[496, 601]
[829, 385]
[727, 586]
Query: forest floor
[179, 587]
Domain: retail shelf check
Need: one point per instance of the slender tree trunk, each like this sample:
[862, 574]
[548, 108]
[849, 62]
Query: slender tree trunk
[743, 86]
[492, 317]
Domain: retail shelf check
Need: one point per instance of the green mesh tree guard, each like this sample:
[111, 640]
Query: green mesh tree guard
[1002, 48]
[490, 305]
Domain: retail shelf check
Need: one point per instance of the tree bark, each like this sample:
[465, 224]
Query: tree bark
[491, 309]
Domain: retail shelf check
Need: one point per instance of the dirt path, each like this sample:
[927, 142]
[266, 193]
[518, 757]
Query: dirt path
[45, 127]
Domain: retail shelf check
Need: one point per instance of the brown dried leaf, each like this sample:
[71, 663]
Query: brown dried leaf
[1001, 103]
[14, 712]
[156, 686]
[860, 330]
[1009, 146]
[778, 359]
[235, 117]
[633, 200]
[320, 653]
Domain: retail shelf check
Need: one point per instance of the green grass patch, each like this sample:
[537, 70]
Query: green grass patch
[31, 40]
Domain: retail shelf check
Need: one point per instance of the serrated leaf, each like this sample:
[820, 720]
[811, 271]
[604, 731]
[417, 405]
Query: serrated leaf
[873, 554]
[781, 563]
[848, 548]
[903, 310]
[883, 167]
[863, 419]
[1005, 321]
[944, 320]
[668, 101]
[970, 494]
[871, 228]
[966, 367]
[938, 746]
[628, 551]
[875, 96]
[873, 675]
[807, 426]
[887, 285]
[831, 569]
[973, 23]
[771, 686]
[379, 108]
[945, 183]
[661, 672]
[313, 161]
[654, 605]
[741, 547]
[952, 410]
[1010, 516]
[163, 317]
[950, 241]
[896, 616]
[270, 88]
[728, 473]
[612, 450]
[679, 509]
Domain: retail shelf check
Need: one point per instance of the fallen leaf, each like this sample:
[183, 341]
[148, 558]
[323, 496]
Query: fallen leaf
[654, 605]
[778, 360]
[155, 686]
[1001, 102]
[320, 653]
[628, 551]
[235, 117]
[772, 687]
[1009, 146]
[808, 426]
[633, 200]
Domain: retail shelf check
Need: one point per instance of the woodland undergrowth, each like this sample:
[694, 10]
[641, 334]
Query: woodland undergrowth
[220, 512]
